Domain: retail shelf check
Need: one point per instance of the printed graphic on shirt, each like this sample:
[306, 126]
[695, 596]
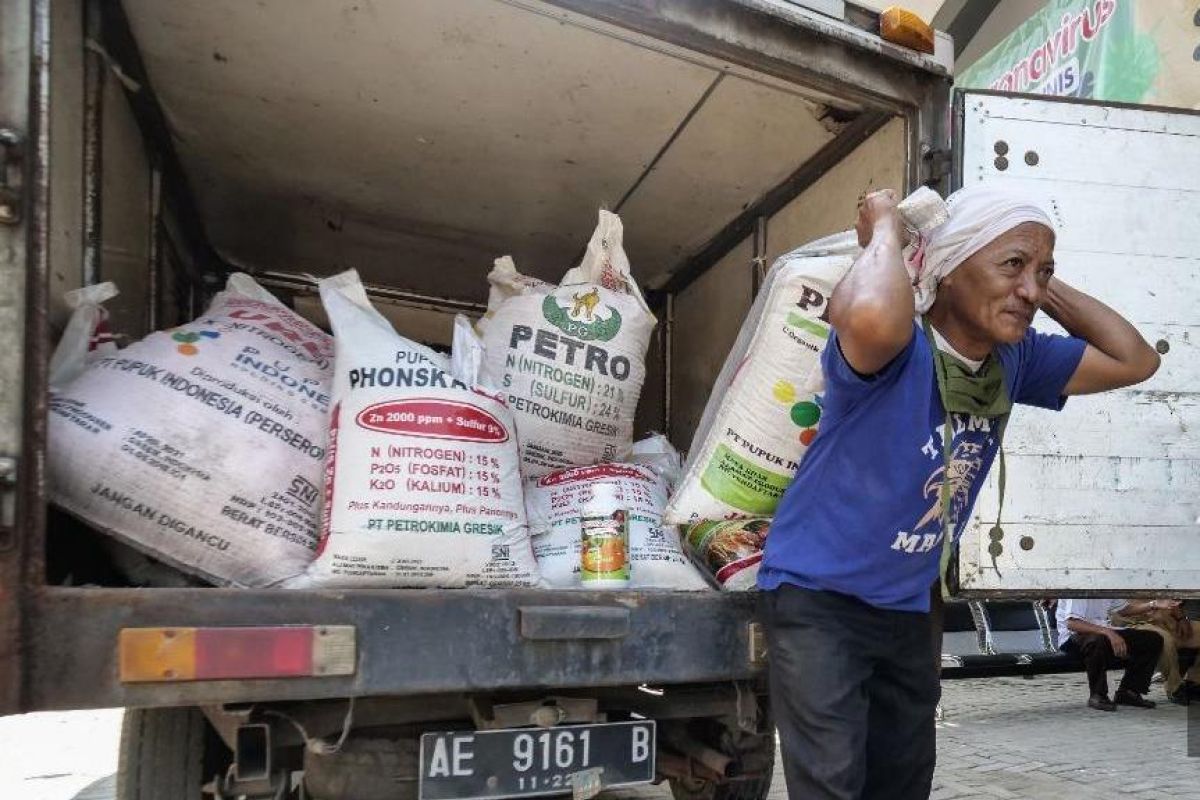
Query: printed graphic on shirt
[972, 438]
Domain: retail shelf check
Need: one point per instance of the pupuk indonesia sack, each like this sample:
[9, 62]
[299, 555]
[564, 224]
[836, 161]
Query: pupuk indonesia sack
[570, 358]
[656, 558]
[423, 485]
[765, 407]
[203, 446]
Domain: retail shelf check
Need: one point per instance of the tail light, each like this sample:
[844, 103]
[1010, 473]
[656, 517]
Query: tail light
[214, 654]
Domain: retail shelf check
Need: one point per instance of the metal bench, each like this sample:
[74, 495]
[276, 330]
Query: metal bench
[1001, 638]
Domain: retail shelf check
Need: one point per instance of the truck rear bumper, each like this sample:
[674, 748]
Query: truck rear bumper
[408, 642]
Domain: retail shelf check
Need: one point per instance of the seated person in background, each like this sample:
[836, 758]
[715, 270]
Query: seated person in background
[1084, 629]
[1168, 619]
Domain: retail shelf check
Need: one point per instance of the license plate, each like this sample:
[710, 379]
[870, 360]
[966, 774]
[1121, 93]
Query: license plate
[525, 762]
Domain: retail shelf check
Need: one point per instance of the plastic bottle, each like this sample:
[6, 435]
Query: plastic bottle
[604, 526]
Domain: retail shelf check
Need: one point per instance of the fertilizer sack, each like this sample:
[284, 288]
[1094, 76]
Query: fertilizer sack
[765, 407]
[730, 551]
[656, 557]
[423, 485]
[203, 446]
[87, 335]
[570, 358]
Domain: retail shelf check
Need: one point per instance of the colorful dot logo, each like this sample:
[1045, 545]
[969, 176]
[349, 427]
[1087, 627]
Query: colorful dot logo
[805, 414]
[784, 392]
[187, 340]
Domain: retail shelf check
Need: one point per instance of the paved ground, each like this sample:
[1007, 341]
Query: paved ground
[1016, 738]
[1002, 738]
[59, 756]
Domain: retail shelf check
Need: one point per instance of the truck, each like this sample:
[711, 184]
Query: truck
[164, 145]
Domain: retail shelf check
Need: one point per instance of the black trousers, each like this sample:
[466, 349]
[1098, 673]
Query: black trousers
[1098, 657]
[853, 693]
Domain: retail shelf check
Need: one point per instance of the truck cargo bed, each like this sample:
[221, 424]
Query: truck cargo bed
[409, 642]
[416, 142]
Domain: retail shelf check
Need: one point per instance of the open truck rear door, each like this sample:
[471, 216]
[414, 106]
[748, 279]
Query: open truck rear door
[24, 134]
[1101, 499]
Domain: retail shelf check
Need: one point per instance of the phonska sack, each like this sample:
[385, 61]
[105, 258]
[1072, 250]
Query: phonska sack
[656, 557]
[731, 551]
[765, 407]
[570, 358]
[202, 446]
[423, 485]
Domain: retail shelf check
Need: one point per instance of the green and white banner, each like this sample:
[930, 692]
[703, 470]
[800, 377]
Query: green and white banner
[1134, 51]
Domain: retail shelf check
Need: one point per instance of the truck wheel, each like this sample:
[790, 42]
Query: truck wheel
[167, 754]
[754, 765]
[748, 789]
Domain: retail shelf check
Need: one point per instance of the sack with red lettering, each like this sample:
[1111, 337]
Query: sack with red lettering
[202, 446]
[570, 358]
[87, 335]
[423, 486]
[656, 557]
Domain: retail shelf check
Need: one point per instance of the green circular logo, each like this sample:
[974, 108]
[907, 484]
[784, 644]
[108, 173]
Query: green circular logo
[583, 319]
[806, 414]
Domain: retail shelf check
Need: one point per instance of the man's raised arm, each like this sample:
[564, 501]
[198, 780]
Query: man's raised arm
[1116, 354]
[872, 307]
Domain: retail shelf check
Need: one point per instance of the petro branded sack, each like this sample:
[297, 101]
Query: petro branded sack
[570, 358]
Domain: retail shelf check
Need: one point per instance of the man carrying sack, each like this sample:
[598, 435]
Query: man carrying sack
[923, 365]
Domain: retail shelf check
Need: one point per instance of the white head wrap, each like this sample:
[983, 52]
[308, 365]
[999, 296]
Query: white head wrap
[978, 214]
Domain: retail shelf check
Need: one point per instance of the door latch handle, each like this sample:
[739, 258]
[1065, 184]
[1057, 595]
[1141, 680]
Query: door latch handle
[11, 153]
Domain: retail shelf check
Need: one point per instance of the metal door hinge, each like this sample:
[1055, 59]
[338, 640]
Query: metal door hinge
[10, 177]
[8, 501]
[938, 163]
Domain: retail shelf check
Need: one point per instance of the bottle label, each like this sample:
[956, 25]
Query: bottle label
[605, 551]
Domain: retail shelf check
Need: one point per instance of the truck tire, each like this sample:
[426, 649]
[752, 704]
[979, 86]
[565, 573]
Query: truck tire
[754, 759]
[748, 789]
[166, 754]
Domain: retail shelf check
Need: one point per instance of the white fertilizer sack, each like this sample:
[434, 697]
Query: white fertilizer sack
[87, 335]
[423, 485]
[765, 407]
[570, 358]
[203, 446]
[656, 557]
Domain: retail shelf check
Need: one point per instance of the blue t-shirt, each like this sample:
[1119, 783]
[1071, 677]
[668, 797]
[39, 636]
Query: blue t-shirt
[863, 516]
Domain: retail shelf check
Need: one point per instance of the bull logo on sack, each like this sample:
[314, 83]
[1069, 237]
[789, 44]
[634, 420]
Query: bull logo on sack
[582, 314]
[585, 304]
